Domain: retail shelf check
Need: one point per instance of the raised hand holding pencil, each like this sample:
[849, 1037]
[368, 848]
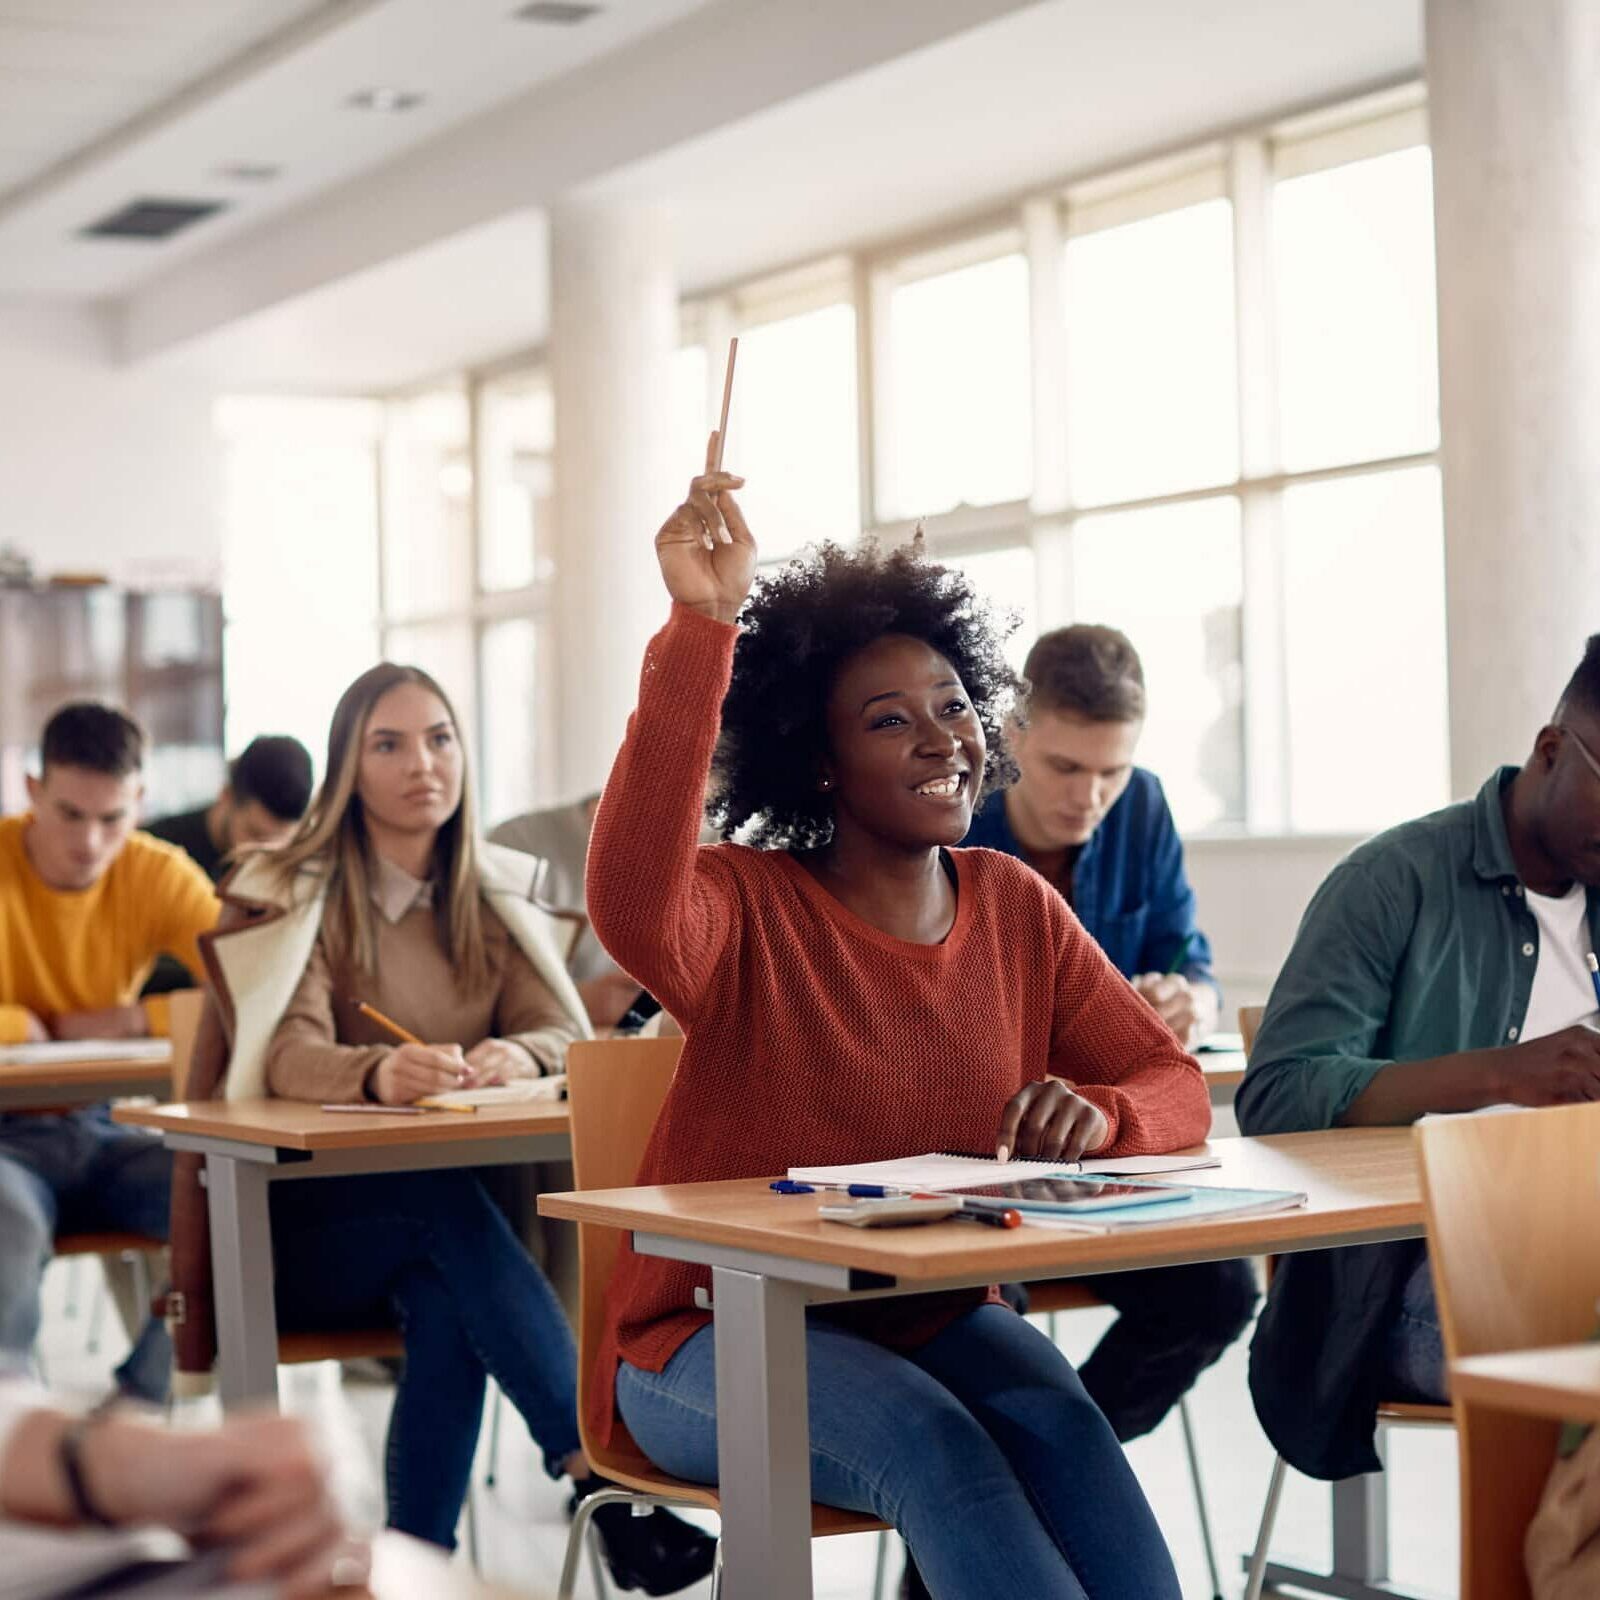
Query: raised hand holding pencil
[707, 556]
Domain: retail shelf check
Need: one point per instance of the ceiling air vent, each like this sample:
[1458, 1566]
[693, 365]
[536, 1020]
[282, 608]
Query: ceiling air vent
[564, 12]
[152, 219]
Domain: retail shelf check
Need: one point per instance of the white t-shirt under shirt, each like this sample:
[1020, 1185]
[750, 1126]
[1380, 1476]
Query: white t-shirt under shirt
[1563, 991]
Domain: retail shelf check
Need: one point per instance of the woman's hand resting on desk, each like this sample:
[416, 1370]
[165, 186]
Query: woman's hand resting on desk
[707, 556]
[411, 1071]
[1048, 1121]
[493, 1061]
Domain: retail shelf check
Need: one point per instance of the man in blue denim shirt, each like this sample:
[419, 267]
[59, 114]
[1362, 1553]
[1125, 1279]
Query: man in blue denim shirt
[1443, 966]
[1098, 828]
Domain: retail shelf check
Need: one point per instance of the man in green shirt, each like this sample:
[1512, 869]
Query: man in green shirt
[1445, 965]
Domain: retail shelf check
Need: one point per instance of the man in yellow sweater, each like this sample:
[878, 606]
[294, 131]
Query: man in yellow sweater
[86, 906]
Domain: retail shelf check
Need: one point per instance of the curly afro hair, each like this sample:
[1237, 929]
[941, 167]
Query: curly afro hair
[800, 625]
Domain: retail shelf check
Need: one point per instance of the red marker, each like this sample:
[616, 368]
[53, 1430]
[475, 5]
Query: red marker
[991, 1217]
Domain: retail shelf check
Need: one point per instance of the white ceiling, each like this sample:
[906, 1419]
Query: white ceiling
[1049, 92]
[1041, 94]
[72, 71]
[469, 300]
[216, 82]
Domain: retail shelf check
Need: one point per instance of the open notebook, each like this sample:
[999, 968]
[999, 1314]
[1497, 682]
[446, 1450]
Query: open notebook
[939, 1172]
[517, 1092]
[40, 1563]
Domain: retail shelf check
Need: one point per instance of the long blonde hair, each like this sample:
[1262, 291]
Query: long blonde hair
[332, 839]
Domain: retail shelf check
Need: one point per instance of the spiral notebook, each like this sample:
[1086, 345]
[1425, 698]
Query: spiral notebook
[939, 1171]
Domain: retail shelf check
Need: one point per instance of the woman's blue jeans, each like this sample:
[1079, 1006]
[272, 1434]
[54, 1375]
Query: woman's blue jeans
[430, 1250]
[981, 1447]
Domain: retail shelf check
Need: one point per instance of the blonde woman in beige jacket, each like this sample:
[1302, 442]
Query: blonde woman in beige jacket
[386, 898]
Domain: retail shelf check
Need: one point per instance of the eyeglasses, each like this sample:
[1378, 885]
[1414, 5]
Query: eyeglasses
[1583, 749]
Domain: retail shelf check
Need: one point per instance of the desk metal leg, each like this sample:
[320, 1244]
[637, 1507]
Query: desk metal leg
[763, 1439]
[241, 1275]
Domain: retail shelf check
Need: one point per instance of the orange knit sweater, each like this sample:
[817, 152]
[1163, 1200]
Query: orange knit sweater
[812, 1036]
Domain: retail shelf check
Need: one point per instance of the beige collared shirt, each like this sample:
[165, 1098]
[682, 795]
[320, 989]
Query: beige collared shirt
[395, 891]
[323, 1048]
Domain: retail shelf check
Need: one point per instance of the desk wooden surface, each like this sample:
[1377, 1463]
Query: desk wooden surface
[1561, 1384]
[299, 1125]
[86, 1074]
[1358, 1181]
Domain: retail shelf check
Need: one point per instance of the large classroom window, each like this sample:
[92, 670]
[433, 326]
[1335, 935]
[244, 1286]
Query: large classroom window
[300, 550]
[1196, 399]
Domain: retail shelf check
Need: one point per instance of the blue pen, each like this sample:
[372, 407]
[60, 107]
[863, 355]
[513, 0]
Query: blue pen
[1594, 974]
[858, 1191]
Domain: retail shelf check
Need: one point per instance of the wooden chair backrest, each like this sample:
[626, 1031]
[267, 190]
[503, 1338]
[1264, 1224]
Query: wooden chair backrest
[1509, 1200]
[615, 1088]
[184, 1008]
[1514, 1267]
[1250, 1026]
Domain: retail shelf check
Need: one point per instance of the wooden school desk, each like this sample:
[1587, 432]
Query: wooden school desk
[771, 1257]
[249, 1144]
[77, 1083]
[1224, 1072]
[1511, 1406]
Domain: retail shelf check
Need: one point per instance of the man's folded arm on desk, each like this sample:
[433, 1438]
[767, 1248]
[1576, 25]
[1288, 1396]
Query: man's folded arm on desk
[255, 1484]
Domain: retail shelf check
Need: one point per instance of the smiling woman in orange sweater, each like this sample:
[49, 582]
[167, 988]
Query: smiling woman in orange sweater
[856, 989]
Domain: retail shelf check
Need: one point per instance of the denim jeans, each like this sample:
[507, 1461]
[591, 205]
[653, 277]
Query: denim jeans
[980, 1446]
[1414, 1367]
[430, 1250]
[1174, 1322]
[78, 1173]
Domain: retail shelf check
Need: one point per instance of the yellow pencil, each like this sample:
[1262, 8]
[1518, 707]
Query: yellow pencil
[405, 1036]
[434, 1103]
[388, 1024]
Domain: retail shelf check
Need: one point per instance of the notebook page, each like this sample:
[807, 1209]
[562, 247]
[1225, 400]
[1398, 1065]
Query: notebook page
[518, 1092]
[55, 1052]
[938, 1172]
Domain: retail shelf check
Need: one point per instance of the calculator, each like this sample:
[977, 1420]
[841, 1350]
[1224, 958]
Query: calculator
[893, 1211]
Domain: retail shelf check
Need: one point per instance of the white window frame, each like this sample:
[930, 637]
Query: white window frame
[1242, 165]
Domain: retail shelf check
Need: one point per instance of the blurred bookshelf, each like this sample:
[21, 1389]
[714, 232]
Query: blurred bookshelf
[156, 654]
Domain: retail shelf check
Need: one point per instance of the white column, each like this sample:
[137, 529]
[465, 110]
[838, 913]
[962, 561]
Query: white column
[613, 330]
[1514, 105]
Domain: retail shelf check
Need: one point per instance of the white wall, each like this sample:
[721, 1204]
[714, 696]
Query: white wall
[103, 468]
[1252, 893]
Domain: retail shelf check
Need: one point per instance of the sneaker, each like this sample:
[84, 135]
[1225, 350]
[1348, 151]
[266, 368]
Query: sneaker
[658, 1553]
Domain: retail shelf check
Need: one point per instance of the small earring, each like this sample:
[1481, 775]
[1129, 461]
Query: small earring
[826, 783]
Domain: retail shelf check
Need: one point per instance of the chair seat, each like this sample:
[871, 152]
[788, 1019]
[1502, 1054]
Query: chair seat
[1061, 1294]
[105, 1244]
[1416, 1413]
[348, 1344]
[635, 1471]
